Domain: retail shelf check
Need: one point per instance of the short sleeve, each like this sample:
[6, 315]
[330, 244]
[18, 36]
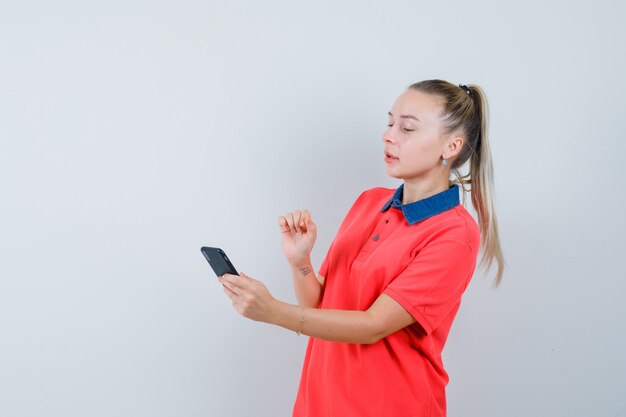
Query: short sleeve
[433, 283]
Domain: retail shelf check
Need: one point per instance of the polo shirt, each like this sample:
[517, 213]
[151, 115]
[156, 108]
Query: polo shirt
[421, 254]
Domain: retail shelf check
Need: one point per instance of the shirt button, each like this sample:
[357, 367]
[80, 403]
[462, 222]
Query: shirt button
[376, 237]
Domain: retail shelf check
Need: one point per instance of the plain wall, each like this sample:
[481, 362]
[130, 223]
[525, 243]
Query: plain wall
[134, 132]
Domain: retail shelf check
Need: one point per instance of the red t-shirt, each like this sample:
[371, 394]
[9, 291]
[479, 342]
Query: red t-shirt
[425, 266]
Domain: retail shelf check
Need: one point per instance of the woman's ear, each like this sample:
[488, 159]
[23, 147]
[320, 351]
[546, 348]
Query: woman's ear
[453, 146]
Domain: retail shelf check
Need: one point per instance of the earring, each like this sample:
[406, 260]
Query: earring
[445, 161]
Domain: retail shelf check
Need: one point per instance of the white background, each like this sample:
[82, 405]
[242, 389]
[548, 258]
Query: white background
[134, 132]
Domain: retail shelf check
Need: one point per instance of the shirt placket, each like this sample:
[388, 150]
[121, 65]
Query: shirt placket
[378, 235]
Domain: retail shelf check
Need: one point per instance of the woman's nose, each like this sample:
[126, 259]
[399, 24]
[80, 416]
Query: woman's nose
[387, 137]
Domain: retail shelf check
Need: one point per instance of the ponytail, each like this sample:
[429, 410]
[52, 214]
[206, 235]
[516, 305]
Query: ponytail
[482, 189]
[466, 110]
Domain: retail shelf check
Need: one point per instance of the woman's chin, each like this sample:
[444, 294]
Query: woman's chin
[392, 173]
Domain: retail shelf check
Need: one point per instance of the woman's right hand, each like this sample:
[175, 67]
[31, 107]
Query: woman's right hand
[298, 234]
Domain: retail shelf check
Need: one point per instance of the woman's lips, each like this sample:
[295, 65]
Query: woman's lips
[389, 158]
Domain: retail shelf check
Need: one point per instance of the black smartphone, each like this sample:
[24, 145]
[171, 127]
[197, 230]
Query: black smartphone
[219, 261]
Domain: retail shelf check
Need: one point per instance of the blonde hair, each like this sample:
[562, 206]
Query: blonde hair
[468, 113]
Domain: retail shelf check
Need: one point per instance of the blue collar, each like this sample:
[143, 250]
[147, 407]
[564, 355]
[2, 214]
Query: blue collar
[424, 208]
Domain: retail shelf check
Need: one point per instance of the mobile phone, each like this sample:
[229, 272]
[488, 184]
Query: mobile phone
[218, 260]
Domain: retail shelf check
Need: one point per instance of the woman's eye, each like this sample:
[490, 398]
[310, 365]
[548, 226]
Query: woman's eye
[404, 128]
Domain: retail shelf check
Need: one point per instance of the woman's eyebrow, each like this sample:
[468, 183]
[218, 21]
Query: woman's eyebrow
[405, 116]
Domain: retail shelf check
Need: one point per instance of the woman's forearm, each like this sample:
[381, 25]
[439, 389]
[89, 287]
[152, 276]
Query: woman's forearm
[252, 299]
[307, 287]
[333, 325]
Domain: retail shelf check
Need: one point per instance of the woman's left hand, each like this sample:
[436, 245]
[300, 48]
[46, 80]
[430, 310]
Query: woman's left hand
[250, 297]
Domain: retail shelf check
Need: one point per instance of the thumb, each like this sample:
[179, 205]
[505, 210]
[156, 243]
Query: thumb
[254, 282]
[248, 277]
[244, 279]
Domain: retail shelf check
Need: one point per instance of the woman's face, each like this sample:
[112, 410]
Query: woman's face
[413, 145]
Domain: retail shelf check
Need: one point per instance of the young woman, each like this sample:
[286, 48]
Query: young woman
[382, 304]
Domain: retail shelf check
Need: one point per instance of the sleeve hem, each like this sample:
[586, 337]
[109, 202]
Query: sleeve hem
[417, 315]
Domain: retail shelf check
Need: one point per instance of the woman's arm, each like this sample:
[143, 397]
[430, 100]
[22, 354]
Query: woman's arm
[383, 318]
[306, 285]
[298, 234]
[252, 300]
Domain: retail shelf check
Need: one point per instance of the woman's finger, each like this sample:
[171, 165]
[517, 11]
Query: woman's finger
[232, 282]
[304, 220]
[292, 222]
[289, 219]
[311, 226]
[230, 288]
[247, 283]
[247, 280]
[230, 293]
[296, 220]
[282, 223]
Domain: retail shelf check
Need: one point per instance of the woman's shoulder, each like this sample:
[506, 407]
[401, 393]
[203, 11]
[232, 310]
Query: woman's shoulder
[370, 198]
[376, 193]
[375, 196]
[462, 225]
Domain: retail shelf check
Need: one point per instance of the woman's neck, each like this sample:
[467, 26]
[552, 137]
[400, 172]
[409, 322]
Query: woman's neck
[418, 190]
